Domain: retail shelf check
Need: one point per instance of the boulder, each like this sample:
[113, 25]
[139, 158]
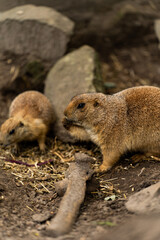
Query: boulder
[103, 24]
[38, 32]
[145, 201]
[75, 73]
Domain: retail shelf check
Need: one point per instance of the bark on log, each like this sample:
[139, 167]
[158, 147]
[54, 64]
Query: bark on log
[74, 186]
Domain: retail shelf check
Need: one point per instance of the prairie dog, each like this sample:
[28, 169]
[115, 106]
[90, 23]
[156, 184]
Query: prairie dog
[30, 116]
[126, 121]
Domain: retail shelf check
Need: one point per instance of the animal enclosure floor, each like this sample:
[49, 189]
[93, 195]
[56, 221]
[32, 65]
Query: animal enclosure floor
[27, 196]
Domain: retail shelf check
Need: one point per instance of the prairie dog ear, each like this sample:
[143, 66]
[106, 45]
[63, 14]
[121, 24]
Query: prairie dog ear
[96, 102]
[38, 121]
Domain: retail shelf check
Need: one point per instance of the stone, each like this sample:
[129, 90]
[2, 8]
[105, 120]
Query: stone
[98, 20]
[102, 23]
[38, 32]
[75, 73]
[145, 201]
[74, 8]
[137, 227]
[41, 217]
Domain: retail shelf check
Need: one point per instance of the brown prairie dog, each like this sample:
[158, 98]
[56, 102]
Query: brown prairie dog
[126, 121]
[30, 116]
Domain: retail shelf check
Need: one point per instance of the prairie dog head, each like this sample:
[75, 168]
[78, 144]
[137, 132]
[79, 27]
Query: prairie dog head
[83, 114]
[15, 130]
[85, 108]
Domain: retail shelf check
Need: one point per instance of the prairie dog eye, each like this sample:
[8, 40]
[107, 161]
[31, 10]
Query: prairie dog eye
[81, 105]
[12, 132]
[21, 124]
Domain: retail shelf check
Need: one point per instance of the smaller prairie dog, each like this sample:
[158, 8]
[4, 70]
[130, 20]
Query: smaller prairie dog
[126, 121]
[30, 116]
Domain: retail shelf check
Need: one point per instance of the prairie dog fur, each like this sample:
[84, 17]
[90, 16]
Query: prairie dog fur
[30, 116]
[126, 121]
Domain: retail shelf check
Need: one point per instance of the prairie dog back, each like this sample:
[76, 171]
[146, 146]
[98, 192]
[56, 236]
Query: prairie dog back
[32, 103]
[126, 121]
[30, 117]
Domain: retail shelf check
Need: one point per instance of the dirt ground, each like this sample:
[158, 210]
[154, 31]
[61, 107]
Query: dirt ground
[26, 191]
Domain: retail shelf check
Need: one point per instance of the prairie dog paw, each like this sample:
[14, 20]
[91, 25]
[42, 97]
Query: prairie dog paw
[102, 168]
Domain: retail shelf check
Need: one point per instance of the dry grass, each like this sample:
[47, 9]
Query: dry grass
[41, 171]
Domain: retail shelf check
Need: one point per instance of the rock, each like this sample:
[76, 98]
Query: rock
[38, 32]
[75, 73]
[145, 201]
[98, 231]
[41, 217]
[103, 24]
[139, 228]
[74, 8]
[122, 22]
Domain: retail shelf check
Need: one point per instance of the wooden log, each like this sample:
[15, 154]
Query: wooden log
[75, 185]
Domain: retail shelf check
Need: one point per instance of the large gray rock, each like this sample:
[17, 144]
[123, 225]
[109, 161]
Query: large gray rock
[40, 32]
[145, 201]
[103, 23]
[75, 73]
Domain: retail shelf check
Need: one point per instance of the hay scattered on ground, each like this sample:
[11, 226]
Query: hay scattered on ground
[43, 170]
[53, 163]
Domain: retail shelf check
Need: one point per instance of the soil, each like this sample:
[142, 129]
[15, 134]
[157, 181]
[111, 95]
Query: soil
[27, 196]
